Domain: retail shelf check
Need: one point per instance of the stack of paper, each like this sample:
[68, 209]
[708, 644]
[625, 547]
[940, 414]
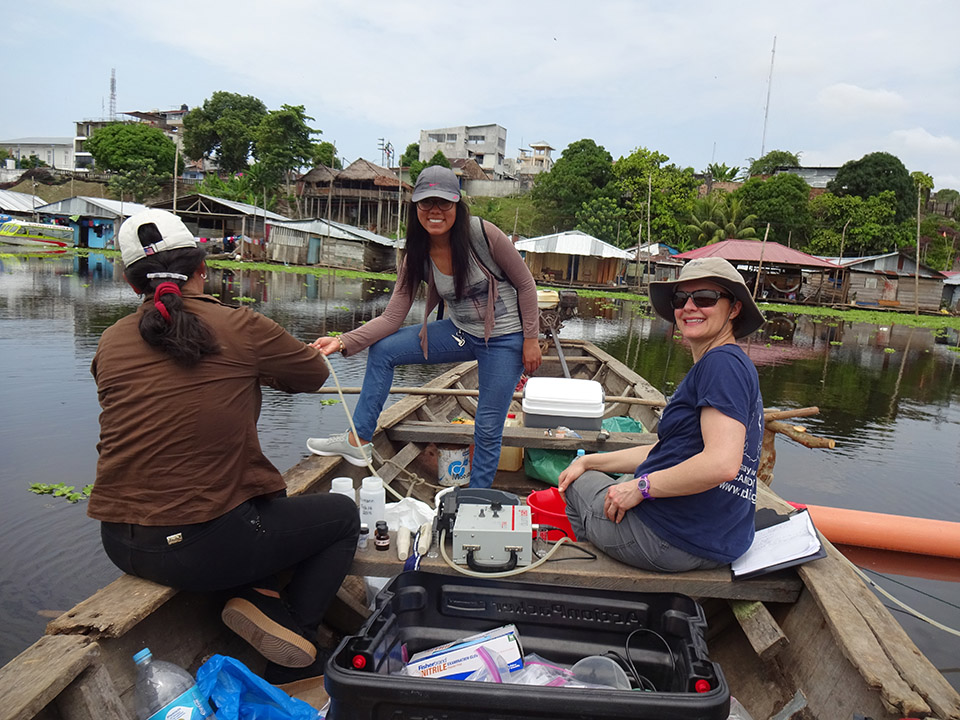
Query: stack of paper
[787, 543]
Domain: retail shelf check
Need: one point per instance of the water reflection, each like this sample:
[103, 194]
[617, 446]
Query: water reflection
[888, 395]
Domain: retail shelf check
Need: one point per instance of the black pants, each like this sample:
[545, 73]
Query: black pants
[315, 536]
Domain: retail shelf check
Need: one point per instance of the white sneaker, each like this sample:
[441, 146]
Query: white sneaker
[340, 445]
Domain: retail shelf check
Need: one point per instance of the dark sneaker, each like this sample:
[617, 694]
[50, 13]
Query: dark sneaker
[268, 626]
[340, 445]
[279, 675]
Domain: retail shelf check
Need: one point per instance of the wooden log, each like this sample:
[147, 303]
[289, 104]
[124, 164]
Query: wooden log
[768, 457]
[113, 610]
[801, 436]
[769, 415]
[763, 632]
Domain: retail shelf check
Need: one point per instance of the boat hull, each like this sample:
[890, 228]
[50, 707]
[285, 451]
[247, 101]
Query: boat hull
[812, 642]
[35, 235]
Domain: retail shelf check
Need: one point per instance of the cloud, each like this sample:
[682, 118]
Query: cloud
[850, 99]
[920, 141]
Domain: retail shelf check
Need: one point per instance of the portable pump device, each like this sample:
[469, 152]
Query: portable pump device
[491, 530]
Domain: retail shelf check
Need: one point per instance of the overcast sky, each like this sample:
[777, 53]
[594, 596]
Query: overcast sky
[688, 79]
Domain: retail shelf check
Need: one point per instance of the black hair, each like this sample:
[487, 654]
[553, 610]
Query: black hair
[185, 338]
[418, 248]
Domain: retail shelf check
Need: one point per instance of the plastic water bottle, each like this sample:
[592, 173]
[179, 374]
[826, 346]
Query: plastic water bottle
[165, 690]
[373, 501]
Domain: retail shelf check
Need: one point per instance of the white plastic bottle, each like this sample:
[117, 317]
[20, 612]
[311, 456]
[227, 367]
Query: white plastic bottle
[165, 690]
[343, 486]
[373, 500]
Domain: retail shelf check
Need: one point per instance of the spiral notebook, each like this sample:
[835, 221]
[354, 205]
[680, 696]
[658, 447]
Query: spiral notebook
[787, 542]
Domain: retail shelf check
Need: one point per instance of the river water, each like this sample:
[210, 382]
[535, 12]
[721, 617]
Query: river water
[889, 395]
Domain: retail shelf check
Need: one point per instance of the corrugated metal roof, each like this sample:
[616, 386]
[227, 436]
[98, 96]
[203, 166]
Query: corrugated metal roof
[11, 201]
[340, 231]
[572, 242]
[246, 209]
[92, 207]
[748, 251]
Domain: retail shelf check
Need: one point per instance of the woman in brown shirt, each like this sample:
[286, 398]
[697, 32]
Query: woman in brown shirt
[185, 495]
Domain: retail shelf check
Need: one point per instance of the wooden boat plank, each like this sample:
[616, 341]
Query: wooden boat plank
[35, 677]
[765, 635]
[453, 434]
[113, 610]
[92, 696]
[605, 573]
[844, 601]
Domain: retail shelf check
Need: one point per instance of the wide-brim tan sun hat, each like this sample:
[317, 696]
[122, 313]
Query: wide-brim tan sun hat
[720, 272]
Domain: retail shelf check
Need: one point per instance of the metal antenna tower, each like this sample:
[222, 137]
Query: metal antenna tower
[766, 108]
[113, 94]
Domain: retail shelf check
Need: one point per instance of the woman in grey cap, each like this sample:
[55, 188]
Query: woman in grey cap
[689, 500]
[184, 493]
[491, 299]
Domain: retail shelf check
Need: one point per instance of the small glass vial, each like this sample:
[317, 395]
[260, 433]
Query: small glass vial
[381, 536]
[363, 536]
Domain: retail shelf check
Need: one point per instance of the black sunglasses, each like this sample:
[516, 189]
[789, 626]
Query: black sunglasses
[701, 298]
[440, 203]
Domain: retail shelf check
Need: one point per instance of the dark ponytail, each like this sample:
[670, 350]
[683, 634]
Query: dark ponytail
[167, 326]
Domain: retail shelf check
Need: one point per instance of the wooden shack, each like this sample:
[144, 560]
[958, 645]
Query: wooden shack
[363, 195]
[330, 244]
[887, 280]
[574, 258]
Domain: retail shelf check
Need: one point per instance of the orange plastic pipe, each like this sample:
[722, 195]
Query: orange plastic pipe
[887, 532]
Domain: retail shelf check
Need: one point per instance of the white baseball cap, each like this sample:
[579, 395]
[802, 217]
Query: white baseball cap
[174, 233]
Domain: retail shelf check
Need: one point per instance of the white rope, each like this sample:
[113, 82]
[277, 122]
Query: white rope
[353, 427]
[903, 606]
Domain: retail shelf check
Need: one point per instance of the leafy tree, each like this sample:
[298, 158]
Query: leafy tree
[138, 181]
[30, 162]
[582, 172]
[771, 161]
[874, 173]
[120, 147]
[507, 213]
[603, 218]
[282, 139]
[942, 248]
[5, 154]
[673, 192]
[946, 195]
[722, 173]
[410, 155]
[870, 225]
[325, 153]
[248, 187]
[782, 201]
[224, 127]
[719, 216]
[417, 167]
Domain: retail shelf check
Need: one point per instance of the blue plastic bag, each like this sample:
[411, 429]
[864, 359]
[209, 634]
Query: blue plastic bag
[241, 694]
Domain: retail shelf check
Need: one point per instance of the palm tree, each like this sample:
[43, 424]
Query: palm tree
[719, 217]
[721, 173]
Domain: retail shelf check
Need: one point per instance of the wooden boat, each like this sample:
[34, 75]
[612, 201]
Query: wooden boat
[35, 235]
[807, 642]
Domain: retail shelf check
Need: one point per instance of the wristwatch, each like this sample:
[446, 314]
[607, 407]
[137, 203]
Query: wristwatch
[643, 485]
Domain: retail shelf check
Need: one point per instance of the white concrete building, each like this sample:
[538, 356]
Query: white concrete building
[487, 144]
[56, 152]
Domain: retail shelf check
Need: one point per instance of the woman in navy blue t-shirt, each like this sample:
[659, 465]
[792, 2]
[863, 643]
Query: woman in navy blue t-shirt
[689, 500]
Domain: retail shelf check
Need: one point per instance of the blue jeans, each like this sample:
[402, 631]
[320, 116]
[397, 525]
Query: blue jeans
[499, 365]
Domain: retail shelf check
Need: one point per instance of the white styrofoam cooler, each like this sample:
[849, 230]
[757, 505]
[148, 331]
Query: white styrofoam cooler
[552, 402]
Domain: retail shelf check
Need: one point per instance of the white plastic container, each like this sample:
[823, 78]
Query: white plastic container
[453, 465]
[343, 486]
[373, 501]
[573, 403]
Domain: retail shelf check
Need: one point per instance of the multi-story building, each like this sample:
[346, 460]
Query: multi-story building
[535, 160]
[56, 152]
[169, 121]
[486, 144]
